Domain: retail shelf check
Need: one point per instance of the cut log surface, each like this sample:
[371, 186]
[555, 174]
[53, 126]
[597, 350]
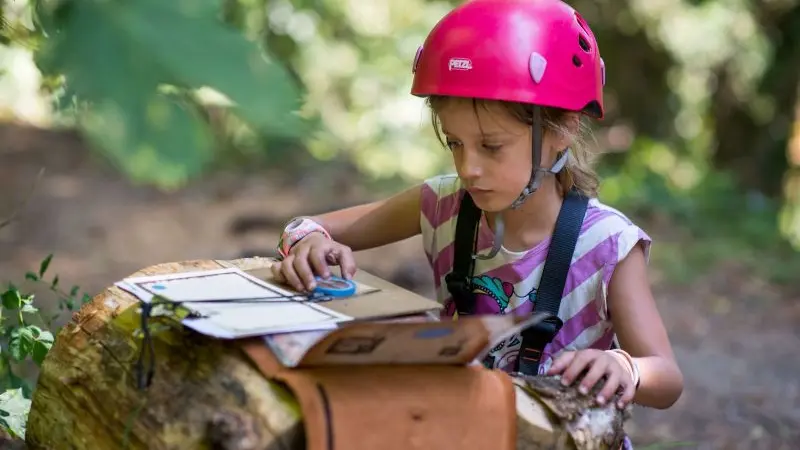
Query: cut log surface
[206, 394]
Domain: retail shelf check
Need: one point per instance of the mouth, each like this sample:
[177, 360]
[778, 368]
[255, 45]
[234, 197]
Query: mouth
[475, 190]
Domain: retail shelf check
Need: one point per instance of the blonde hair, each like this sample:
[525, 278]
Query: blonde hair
[578, 173]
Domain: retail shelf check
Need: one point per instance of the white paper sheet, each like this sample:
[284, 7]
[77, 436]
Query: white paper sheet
[206, 285]
[263, 308]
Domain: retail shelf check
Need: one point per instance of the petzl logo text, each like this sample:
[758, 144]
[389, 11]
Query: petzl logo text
[460, 64]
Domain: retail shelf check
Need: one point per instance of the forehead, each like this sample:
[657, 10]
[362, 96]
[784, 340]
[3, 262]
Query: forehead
[466, 116]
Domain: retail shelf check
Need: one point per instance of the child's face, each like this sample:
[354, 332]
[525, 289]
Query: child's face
[491, 151]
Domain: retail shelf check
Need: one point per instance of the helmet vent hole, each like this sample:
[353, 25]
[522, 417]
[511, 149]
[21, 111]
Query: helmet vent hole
[582, 22]
[576, 61]
[584, 43]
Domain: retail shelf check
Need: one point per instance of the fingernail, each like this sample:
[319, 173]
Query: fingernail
[564, 382]
[601, 400]
[583, 390]
[620, 405]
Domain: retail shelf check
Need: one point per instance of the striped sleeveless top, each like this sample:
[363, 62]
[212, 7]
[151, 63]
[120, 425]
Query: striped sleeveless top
[507, 283]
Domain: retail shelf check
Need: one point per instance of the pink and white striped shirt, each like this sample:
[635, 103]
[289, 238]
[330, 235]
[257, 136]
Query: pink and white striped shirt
[507, 283]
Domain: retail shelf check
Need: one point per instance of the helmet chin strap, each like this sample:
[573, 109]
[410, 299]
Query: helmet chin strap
[537, 176]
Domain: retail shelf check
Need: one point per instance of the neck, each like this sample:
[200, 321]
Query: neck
[535, 220]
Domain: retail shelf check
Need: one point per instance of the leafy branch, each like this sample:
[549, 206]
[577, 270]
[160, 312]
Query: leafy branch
[25, 336]
[66, 300]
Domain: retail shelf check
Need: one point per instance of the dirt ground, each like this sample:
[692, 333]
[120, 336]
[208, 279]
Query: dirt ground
[735, 341]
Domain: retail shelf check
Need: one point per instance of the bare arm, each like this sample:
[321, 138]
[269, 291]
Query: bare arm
[641, 332]
[375, 224]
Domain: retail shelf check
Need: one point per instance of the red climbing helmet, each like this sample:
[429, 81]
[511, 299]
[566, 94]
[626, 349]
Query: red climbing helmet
[529, 51]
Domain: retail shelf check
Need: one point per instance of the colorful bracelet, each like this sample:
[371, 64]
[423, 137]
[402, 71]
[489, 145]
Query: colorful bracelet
[297, 229]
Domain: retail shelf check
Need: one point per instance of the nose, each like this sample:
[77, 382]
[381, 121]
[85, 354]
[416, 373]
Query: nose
[468, 164]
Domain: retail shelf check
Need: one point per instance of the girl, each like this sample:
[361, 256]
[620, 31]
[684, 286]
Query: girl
[508, 82]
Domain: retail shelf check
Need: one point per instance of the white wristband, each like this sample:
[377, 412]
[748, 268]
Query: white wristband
[629, 363]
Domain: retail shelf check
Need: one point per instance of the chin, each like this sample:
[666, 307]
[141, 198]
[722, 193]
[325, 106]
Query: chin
[492, 203]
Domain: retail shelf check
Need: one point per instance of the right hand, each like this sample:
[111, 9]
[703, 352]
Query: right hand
[311, 256]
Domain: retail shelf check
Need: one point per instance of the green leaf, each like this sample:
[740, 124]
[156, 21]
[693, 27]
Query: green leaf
[31, 276]
[42, 345]
[117, 56]
[29, 309]
[45, 264]
[14, 408]
[20, 345]
[199, 50]
[54, 283]
[147, 135]
[12, 299]
[74, 291]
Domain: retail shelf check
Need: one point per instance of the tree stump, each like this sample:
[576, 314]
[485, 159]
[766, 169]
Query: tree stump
[206, 393]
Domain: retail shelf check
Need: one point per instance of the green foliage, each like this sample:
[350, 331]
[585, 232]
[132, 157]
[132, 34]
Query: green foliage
[14, 409]
[131, 71]
[24, 339]
[702, 216]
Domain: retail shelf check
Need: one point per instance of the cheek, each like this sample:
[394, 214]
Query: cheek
[515, 167]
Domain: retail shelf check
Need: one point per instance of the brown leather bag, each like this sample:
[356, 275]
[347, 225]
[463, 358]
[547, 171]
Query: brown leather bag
[397, 406]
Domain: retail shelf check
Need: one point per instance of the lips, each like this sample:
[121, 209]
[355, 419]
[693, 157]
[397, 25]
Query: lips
[474, 190]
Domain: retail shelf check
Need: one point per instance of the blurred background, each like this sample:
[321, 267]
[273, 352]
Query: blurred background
[172, 140]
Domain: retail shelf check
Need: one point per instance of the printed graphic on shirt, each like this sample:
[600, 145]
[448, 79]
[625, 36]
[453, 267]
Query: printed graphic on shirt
[493, 296]
[504, 355]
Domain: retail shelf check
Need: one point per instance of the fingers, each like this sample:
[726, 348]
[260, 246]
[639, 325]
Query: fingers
[560, 363]
[610, 387]
[577, 366]
[277, 274]
[347, 262]
[627, 395]
[312, 258]
[572, 364]
[288, 273]
[319, 261]
[303, 268]
[598, 368]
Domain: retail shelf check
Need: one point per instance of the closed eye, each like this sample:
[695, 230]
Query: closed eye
[451, 144]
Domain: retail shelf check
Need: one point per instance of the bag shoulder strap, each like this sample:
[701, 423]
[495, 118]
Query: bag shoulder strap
[554, 277]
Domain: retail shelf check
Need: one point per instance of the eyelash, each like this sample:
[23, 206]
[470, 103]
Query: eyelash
[491, 148]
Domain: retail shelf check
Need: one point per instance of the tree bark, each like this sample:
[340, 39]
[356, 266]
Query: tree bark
[206, 394]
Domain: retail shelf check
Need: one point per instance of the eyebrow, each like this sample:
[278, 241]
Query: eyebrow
[485, 135]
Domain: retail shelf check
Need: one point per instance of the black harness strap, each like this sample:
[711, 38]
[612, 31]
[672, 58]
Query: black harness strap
[551, 286]
[465, 245]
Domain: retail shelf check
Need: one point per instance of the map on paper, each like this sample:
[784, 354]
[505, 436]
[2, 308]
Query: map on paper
[234, 304]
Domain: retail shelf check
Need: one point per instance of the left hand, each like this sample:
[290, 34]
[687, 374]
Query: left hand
[599, 363]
